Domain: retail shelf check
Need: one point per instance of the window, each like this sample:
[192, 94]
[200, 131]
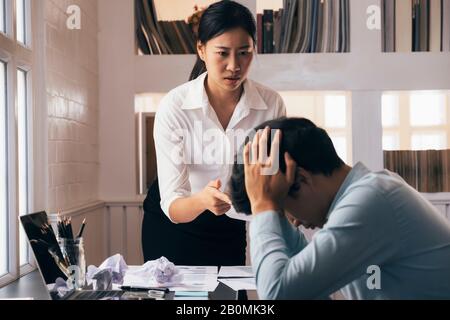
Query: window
[17, 61]
[2, 16]
[424, 141]
[416, 120]
[427, 109]
[21, 25]
[22, 136]
[3, 171]
[390, 110]
[329, 110]
[416, 132]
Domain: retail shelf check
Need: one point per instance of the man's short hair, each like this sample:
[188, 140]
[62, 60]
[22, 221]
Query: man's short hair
[309, 145]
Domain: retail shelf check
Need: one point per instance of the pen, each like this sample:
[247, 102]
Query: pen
[80, 233]
[133, 288]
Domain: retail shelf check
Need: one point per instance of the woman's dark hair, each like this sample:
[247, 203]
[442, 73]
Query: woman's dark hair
[219, 18]
[309, 145]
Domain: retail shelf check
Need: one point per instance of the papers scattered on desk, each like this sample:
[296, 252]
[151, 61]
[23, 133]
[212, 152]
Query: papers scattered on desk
[197, 269]
[196, 282]
[238, 277]
[240, 283]
[190, 279]
[236, 272]
[191, 295]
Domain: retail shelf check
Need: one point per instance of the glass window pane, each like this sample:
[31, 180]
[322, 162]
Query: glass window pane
[335, 111]
[3, 171]
[340, 144]
[425, 141]
[390, 110]
[22, 156]
[20, 21]
[427, 109]
[391, 142]
[299, 104]
[2, 16]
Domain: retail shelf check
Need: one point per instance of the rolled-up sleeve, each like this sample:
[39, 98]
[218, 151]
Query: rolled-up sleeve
[173, 177]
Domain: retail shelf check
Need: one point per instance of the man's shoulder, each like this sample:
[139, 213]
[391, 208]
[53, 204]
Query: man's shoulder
[372, 192]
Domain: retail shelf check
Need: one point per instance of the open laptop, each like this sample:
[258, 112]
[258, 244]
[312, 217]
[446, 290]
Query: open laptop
[46, 250]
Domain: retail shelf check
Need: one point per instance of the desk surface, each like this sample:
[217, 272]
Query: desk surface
[31, 285]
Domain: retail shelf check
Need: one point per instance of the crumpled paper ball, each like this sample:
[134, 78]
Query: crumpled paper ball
[111, 271]
[162, 270]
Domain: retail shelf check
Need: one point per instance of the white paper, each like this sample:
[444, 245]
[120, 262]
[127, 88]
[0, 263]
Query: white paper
[240, 283]
[187, 281]
[197, 269]
[196, 282]
[236, 272]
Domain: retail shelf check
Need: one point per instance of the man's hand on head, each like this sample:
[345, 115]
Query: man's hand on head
[266, 192]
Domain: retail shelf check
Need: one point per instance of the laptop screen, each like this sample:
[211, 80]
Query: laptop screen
[44, 245]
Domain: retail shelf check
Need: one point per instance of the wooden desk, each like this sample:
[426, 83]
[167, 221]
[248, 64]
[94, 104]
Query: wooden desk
[31, 285]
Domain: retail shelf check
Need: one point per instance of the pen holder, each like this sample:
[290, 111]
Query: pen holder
[74, 258]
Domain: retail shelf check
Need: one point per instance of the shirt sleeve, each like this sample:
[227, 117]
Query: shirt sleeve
[355, 237]
[173, 177]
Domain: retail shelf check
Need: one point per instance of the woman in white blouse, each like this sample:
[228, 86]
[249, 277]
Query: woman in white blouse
[198, 128]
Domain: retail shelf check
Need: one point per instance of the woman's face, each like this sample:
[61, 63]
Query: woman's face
[227, 58]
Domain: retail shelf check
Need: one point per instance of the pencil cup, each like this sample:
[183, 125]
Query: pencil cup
[73, 252]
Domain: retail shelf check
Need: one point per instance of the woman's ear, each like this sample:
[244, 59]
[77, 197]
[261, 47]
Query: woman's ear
[201, 50]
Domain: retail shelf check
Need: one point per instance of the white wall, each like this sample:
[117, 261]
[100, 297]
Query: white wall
[72, 100]
[117, 179]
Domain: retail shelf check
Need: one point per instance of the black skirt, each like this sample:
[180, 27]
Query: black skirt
[208, 240]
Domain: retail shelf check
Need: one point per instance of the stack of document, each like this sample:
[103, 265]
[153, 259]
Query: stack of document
[238, 277]
[193, 278]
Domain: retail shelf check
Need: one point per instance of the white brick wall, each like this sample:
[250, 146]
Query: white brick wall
[72, 100]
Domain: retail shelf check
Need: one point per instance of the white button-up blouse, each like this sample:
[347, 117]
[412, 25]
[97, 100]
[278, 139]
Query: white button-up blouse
[192, 148]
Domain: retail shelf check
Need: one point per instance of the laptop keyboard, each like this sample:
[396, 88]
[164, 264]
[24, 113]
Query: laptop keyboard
[97, 295]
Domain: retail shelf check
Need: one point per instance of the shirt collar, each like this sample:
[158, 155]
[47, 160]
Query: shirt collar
[358, 171]
[198, 99]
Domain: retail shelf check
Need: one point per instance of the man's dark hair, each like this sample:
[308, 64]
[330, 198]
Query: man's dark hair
[309, 145]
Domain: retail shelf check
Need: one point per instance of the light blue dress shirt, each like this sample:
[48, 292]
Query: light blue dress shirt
[376, 219]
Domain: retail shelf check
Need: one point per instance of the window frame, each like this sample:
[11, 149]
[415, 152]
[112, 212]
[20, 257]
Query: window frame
[405, 130]
[32, 60]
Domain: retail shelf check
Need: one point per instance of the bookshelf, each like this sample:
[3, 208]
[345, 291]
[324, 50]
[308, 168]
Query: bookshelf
[365, 73]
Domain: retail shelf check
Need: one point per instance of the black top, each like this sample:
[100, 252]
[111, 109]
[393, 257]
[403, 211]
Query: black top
[207, 240]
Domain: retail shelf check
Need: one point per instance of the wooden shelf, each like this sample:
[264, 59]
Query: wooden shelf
[314, 71]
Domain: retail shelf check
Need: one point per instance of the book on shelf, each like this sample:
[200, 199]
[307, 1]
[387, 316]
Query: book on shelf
[161, 37]
[416, 25]
[300, 26]
[259, 33]
[445, 25]
[403, 26]
[306, 26]
[268, 31]
[435, 25]
[277, 30]
[424, 170]
[424, 25]
[389, 25]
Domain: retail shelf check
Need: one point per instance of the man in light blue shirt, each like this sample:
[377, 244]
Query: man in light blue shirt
[379, 238]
